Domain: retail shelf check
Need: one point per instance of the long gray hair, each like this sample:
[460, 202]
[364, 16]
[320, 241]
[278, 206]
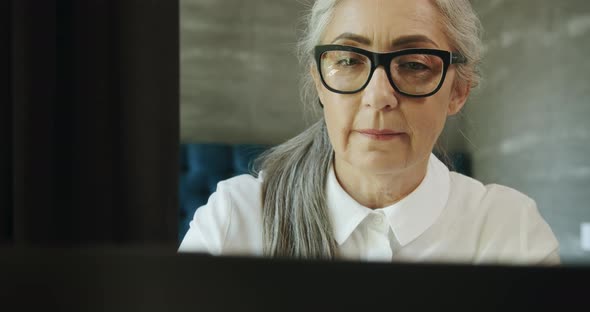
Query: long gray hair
[295, 217]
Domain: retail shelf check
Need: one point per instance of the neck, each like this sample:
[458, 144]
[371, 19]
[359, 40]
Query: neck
[378, 190]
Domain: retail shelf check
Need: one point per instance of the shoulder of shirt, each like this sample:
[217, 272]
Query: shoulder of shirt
[241, 181]
[229, 213]
[510, 222]
[497, 205]
[242, 191]
[491, 195]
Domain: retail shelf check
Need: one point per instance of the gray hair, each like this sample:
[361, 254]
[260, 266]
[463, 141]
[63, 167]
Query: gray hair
[294, 211]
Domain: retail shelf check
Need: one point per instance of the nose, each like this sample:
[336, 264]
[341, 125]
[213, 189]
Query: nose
[379, 93]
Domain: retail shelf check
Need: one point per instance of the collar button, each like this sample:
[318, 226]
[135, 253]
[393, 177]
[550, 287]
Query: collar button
[378, 219]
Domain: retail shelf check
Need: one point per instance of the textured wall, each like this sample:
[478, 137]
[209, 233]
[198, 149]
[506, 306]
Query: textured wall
[239, 71]
[529, 123]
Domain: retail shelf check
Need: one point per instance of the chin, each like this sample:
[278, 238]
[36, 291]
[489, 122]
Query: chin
[383, 164]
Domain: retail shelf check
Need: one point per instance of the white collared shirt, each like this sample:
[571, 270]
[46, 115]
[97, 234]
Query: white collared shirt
[448, 218]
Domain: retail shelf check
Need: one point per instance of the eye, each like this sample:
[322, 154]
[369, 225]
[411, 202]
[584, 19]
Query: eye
[414, 66]
[349, 62]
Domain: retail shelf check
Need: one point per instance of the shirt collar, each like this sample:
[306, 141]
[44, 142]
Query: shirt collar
[408, 218]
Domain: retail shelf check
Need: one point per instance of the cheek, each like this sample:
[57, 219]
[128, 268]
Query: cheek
[339, 114]
[427, 120]
[434, 112]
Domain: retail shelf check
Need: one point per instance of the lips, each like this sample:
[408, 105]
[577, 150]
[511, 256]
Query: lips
[380, 134]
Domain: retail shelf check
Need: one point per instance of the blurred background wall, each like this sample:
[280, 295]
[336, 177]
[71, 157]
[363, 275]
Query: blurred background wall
[529, 123]
[526, 127]
[239, 73]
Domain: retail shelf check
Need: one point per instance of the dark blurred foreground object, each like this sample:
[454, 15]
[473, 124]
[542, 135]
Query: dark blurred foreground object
[89, 123]
[155, 280]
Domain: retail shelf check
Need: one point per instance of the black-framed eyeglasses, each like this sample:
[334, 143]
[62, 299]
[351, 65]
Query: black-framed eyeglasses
[411, 72]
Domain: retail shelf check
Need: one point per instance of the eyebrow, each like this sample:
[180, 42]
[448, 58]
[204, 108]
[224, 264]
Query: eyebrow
[406, 40]
[353, 37]
[401, 41]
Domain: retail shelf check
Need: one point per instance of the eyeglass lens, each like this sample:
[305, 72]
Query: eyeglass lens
[415, 74]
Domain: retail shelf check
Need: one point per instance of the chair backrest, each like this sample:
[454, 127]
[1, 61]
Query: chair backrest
[203, 166]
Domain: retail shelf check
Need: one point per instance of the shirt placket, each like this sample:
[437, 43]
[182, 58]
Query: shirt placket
[378, 245]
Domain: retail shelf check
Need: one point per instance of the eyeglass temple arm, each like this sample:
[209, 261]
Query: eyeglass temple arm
[458, 58]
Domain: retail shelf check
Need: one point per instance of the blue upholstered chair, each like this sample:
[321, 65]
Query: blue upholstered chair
[203, 166]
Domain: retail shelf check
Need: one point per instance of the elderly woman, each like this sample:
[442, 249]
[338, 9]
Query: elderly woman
[362, 183]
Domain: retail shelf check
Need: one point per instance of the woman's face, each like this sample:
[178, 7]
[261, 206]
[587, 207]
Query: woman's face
[384, 26]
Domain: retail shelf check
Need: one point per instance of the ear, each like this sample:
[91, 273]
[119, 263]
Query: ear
[459, 96]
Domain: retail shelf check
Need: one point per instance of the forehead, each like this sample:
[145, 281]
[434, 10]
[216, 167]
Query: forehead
[382, 21]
